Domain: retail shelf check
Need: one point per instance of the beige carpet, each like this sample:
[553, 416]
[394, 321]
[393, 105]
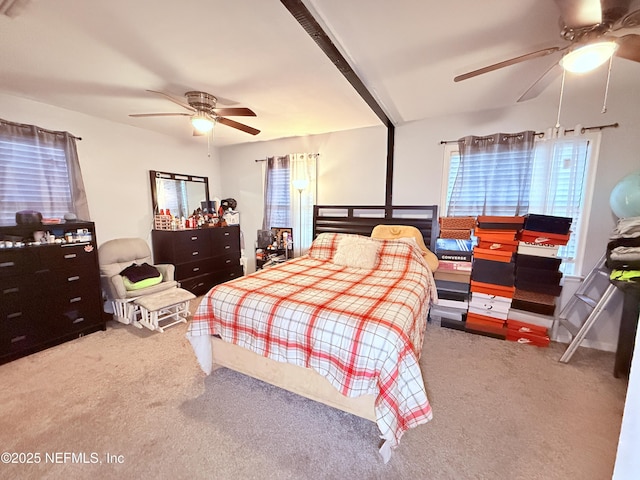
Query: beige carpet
[501, 411]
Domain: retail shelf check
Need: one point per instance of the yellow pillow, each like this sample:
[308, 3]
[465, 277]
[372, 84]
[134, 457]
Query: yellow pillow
[390, 232]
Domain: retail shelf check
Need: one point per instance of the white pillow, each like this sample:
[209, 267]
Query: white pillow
[357, 252]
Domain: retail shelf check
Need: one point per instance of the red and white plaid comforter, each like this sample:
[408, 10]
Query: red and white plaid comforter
[360, 329]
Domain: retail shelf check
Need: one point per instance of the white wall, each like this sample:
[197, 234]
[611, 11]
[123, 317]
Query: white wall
[115, 160]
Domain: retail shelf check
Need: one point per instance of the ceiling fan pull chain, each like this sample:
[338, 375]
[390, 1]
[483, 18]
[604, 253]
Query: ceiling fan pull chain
[561, 95]
[606, 90]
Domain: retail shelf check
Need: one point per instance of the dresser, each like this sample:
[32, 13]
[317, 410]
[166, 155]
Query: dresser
[49, 293]
[202, 257]
[628, 327]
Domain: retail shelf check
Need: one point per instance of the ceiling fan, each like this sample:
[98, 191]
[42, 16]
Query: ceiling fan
[596, 29]
[204, 113]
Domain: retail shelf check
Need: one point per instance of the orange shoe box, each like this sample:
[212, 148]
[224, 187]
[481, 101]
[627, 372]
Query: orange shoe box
[523, 327]
[485, 325]
[538, 238]
[495, 235]
[504, 245]
[495, 255]
[528, 338]
[492, 289]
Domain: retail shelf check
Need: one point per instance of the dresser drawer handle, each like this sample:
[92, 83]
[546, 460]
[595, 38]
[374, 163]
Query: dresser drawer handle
[196, 269]
[75, 300]
[7, 264]
[195, 253]
[70, 255]
[226, 234]
[227, 247]
[227, 261]
[73, 279]
[194, 238]
[78, 320]
[18, 339]
[11, 290]
[14, 315]
[201, 284]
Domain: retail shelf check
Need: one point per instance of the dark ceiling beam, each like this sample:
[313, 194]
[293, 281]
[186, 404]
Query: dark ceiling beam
[304, 17]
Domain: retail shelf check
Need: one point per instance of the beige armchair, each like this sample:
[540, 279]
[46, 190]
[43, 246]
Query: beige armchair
[114, 256]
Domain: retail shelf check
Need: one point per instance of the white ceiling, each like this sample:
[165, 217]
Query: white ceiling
[99, 58]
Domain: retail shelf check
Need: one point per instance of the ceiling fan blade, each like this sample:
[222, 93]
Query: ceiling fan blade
[629, 47]
[616, 11]
[542, 83]
[580, 13]
[630, 18]
[235, 112]
[239, 126]
[160, 114]
[174, 100]
[506, 63]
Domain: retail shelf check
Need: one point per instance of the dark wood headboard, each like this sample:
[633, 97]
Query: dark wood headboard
[360, 219]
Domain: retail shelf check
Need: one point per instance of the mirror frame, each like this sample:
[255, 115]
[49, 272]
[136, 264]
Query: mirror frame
[154, 175]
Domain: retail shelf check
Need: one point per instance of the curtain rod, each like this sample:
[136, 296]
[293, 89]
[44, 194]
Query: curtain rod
[266, 158]
[542, 134]
[25, 125]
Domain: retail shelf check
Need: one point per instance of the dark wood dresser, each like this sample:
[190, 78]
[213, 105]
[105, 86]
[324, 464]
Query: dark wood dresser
[203, 257]
[49, 293]
[628, 327]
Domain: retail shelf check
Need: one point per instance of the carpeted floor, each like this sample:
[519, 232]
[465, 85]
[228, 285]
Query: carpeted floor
[129, 403]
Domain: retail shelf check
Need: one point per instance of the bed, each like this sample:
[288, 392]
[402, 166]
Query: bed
[339, 325]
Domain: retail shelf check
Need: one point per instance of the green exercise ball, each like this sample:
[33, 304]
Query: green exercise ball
[625, 196]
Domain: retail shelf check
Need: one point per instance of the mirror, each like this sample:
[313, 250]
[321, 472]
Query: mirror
[182, 194]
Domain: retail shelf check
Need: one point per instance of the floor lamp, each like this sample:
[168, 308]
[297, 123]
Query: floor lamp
[300, 184]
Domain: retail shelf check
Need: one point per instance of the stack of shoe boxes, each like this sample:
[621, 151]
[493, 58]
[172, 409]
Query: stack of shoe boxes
[493, 275]
[454, 251]
[537, 278]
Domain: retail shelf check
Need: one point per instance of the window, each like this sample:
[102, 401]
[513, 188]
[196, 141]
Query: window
[561, 184]
[277, 193]
[286, 206]
[39, 171]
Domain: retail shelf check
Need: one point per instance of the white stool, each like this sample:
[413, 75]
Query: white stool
[170, 304]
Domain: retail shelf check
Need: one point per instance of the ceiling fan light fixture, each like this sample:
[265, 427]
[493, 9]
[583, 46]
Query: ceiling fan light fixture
[588, 57]
[202, 123]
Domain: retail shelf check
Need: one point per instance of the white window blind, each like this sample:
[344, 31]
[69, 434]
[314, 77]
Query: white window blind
[33, 177]
[490, 191]
[280, 195]
[559, 186]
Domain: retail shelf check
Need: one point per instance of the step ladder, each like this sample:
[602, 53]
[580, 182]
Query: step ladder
[595, 292]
